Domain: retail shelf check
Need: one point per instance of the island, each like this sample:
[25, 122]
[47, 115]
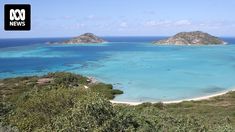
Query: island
[86, 38]
[191, 38]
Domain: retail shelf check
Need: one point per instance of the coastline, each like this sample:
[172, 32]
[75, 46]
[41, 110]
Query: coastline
[175, 101]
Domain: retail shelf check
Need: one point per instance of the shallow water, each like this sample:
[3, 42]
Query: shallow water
[145, 72]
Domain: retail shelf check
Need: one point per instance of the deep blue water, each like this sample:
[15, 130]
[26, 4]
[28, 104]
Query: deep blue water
[145, 72]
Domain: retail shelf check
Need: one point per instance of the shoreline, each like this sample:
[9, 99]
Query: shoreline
[207, 97]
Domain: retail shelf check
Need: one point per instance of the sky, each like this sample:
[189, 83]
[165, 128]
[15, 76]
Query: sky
[67, 18]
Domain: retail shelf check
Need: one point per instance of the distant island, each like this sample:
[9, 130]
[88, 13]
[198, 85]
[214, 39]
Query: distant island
[83, 39]
[191, 38]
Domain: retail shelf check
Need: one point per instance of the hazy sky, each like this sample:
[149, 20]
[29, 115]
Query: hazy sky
[57, 18]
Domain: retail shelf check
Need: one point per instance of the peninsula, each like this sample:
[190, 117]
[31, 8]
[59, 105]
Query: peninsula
[191, 38]
[65, 101]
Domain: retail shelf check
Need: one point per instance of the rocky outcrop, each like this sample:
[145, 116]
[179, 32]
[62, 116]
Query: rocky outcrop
[84, 39]
[191, 38]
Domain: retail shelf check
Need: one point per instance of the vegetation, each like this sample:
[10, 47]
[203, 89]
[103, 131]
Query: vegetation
[194, 38]
[60, 102]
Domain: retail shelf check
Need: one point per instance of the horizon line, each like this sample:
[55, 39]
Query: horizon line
[100, 36]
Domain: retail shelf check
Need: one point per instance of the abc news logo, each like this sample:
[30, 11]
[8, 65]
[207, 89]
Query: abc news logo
[13, 14]
[17, 17]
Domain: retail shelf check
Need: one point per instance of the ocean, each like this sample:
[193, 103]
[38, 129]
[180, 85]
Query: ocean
[145, 72]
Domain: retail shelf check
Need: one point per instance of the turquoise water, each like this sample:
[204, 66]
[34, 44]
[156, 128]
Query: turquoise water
[145, 72]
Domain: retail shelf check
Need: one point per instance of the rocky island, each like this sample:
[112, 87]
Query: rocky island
[191, 38]
[84, 39]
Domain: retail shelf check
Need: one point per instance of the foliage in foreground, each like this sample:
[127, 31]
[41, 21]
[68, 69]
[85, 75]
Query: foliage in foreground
[63, 107]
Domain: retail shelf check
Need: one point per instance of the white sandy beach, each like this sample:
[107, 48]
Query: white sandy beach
[174, 101]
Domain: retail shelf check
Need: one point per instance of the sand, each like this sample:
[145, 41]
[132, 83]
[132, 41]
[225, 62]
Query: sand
[174, 101]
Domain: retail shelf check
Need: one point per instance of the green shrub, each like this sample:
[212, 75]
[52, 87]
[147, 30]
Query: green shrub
[105, 89]
[116, 91]
[67, 79]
